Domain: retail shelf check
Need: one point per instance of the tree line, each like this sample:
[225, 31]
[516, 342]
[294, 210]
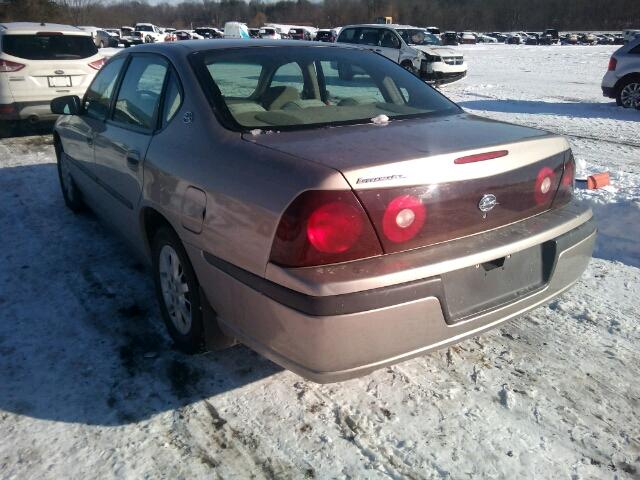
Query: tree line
[476, 15]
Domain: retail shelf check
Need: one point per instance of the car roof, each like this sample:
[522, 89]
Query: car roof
[33, 27]
[382, 25]
[187, 47]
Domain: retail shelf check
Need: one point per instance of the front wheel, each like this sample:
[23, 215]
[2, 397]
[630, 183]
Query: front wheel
[629, 94]
[178, 291]
[408, 66]
[70, 192]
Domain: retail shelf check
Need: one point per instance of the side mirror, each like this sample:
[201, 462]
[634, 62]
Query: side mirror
[67, 105]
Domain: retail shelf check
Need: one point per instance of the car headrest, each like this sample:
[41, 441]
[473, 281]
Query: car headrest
[276, 97]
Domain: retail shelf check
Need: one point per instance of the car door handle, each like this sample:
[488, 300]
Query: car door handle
[133, 160]
[89, 141]
[377, 50]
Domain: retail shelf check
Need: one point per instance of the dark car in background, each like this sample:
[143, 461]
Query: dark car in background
[208, 32]
[103, 39]
[449, 38]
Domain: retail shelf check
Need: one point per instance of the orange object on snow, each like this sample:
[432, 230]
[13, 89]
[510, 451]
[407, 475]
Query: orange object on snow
[598, 180]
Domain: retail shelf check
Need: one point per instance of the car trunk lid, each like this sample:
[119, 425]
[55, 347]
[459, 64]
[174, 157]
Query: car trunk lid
[421, 182]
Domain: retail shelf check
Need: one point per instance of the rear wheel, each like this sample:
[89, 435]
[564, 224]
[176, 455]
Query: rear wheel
[629, 94]
[70, 192]
[178, 291]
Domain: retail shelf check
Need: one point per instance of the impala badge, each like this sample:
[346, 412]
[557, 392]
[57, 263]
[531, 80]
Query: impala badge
[487, 203]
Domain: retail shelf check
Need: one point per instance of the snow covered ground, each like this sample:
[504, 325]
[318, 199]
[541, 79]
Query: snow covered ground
[90, 387]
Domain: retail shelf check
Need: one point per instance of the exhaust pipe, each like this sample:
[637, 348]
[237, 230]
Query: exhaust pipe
[33, 119]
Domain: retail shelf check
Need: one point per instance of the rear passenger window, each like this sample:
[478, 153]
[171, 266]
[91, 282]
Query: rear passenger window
[139, 95]
[347, 35]
[369, 36]
[172, 99]
[635, 49]
[98, 97]
[289, 75]
[236, 80]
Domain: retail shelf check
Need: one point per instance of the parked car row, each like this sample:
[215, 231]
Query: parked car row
[550, 36]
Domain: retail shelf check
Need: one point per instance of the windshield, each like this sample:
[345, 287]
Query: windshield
[419, 37]
[294, 87]
[49, 47]
[144, 28]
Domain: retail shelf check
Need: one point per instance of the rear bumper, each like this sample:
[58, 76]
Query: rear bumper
[312, 321]
[34, 111]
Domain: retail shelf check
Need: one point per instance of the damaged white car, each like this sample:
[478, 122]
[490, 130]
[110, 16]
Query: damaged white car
[412, 47]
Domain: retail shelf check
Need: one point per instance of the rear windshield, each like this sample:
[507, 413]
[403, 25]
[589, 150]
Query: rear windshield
[301, 87]
[48, 47]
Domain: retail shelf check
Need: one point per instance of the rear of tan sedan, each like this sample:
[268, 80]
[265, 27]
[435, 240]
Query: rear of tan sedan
[337, 249]
[495, 234]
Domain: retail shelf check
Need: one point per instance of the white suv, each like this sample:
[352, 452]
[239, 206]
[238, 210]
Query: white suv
[412, 47]
[39, 62]
[150, 32]
[622, 80]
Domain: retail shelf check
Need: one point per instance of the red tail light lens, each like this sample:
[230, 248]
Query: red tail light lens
[7, 66]
[334, 227]
[545, 186]
[404, 217]
[565, 192]
[324, 227]
[613, 63]
[569, 175]
[98, 64]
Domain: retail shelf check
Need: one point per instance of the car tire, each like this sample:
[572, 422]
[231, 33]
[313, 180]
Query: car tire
[628, 95]
[70, 192]
[178, 291]
[102, 44]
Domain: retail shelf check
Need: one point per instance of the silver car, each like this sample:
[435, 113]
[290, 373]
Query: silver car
[333, 226]
[622, 80]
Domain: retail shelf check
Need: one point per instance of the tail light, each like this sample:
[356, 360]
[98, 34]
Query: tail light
[98, 64]
[410, 217]
[403, 218]
[323, 227]
[565, 191]
[7, 66]
[613, 63]
[545, 186]
[7, 109]
[481, 157]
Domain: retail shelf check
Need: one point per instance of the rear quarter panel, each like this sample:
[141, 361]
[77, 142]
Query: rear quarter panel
[247, 186]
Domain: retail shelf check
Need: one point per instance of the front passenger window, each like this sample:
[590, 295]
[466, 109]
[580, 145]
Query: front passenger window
[98, 97]
[139, 96]
[389, 40]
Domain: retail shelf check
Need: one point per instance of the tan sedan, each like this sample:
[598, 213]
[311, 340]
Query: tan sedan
[333, 225]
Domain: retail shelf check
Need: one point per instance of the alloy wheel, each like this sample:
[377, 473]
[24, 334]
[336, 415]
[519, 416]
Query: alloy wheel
[175, 289]
[630, 95]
